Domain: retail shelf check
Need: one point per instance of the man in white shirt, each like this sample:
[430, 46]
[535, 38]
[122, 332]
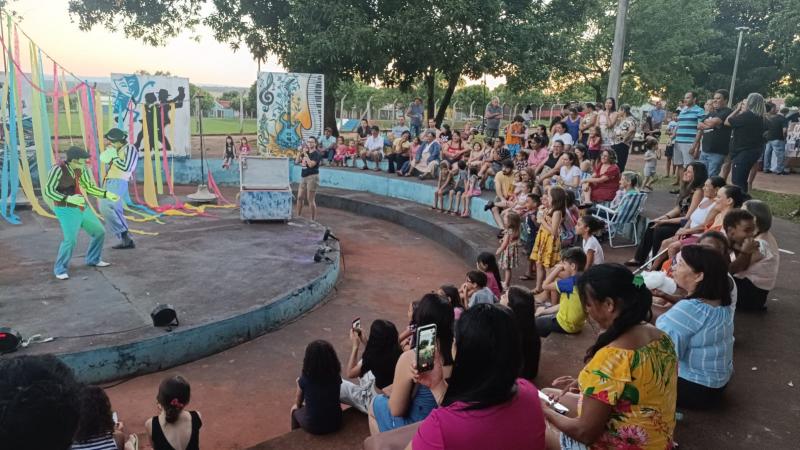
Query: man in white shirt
[373, 149]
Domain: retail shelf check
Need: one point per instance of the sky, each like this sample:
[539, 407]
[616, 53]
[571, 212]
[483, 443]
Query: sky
[99, 52]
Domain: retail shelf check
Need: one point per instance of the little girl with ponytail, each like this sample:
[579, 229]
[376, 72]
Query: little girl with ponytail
[174, 428]
[628, 387]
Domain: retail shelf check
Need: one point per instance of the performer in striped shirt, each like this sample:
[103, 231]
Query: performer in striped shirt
[66, 186]
[121, 158]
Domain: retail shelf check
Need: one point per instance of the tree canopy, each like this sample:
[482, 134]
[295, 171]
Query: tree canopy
[544, 48]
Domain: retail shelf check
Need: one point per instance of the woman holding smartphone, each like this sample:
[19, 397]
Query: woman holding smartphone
[410, 402]
[483, 404]
[625, 395]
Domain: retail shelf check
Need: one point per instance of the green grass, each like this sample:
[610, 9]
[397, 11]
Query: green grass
[210, 125]
[782, 205]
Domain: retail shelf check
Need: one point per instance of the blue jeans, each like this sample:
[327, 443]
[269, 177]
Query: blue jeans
[713, 162]
[513, 149]
[72, 220]
[778, 149]
[415, 128]
[741, 165]
[112, 211]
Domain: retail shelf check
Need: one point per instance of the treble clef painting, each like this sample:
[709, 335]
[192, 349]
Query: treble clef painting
[289, 111]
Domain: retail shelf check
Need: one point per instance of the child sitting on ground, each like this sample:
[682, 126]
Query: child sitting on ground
[587, 228]
[316, 408]
[476, 290]
[650, 161]
[568, 315]
[508, 252]
[174, 423]
[487, 263]
[459, 174]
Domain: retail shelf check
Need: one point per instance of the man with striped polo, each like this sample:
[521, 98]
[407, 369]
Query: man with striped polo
[688, 120]
[121, 158]
[66, 185]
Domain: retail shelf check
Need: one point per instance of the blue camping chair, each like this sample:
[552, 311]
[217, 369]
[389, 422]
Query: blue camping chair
[626, 214]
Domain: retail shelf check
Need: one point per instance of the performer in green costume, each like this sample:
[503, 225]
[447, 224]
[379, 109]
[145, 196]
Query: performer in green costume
[66, 186]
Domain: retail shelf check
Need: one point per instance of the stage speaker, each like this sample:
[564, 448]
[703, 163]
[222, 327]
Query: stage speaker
[10, 340]
[164, 316]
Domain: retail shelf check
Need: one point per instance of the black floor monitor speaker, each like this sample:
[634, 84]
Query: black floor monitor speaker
[10, 340]
[164, 316]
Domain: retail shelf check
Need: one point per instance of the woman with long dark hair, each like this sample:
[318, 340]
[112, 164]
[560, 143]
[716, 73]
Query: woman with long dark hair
[174, 428]
[483, 403]
[316, 407]
[375, 369]
[627, 390]
[520, 300]
[701, 326]
[666, 225]
[624, 131]
[749, 123]
[410, 402]
[96, 428]
[606, 120]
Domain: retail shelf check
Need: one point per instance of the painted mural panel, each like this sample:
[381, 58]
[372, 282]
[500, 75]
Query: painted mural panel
[290, 109]
[161, 103]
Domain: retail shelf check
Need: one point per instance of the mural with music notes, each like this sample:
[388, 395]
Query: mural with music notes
[290, 109]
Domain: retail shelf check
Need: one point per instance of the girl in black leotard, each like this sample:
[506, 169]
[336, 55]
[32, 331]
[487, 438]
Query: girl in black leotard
[174, 428]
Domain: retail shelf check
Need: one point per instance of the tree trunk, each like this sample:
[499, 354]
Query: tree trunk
[429, 84]
[452, 81]
[329, 119]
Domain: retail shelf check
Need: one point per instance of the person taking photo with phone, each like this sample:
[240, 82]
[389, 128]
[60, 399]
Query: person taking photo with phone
[484, 403]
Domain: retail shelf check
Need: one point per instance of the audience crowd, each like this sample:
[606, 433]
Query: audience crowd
[664, 333]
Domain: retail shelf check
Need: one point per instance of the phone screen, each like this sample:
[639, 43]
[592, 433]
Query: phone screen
[357, 323]
[426, 347]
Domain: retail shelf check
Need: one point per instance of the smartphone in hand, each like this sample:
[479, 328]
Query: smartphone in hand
[557, 407]
[426, 347]
[357, 324]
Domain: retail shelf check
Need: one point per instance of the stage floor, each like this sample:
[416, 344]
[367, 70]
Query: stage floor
[209, 269]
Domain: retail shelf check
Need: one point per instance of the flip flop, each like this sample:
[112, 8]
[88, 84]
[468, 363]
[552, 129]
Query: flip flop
[527, 277]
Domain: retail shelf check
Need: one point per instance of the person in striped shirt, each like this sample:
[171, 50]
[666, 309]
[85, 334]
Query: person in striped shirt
[121, 158]
[66, 185]
[688, 120]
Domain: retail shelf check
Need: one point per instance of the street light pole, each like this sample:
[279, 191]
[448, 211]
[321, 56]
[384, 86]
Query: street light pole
[741, 31]
[618, 51]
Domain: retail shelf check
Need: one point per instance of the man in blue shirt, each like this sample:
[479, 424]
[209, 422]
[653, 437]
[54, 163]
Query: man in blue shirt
[328, 144]
[658, 115]
[688, 121]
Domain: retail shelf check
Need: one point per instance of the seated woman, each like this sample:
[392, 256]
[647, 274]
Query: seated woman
[316, 408]
[627, 389]
[566, 174]
[728, 198]
[410, 402]
[757, 261]
[602, 186]
[375, 369]
[483, 404]
[537, 154]
[628, 185]
[454, 150]
[407, 166]
[665, 226]
[97, 428]
[701, 327]
[705, 209]
[520, 300]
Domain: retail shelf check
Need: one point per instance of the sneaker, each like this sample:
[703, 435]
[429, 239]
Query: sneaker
[62, 276]
[101, 264]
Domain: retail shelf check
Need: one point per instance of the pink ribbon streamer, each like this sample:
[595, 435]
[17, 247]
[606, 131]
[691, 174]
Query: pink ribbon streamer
[87, 126]
[55, 112]
[18, 68]
[213, 185]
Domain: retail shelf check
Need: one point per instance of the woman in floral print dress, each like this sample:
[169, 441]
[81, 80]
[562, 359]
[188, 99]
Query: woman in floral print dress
[624, 398]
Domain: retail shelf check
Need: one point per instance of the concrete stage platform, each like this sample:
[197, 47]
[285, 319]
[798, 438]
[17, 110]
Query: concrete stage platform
[228, 281]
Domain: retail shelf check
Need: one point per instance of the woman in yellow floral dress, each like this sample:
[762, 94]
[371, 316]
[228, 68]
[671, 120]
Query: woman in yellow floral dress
[624, 398]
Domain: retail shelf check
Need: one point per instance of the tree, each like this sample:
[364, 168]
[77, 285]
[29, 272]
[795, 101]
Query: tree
[206, 99]
[337, 38]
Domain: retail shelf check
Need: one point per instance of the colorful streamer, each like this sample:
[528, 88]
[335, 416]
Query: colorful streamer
[159, 177]
[149, 183]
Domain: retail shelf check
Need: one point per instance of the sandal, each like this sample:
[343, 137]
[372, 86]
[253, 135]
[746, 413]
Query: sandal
[632, 263]
[527, 277]
[465, 215]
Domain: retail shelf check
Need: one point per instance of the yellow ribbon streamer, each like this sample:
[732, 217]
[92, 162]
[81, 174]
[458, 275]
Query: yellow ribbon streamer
[149, 188]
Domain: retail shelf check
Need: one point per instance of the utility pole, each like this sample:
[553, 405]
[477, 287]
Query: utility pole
[618, 52]
[741, 31]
